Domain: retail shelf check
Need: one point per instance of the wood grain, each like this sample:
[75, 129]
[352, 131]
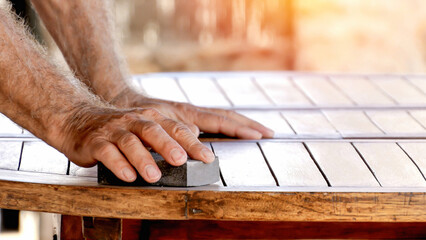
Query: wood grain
[92, 200]
[400, 90]
[10, 153]
[242, 164]
[292, 164]
[203, 92]
[242, 91]
[282, 91]
[321, 91]
[352, 123]
[62, 195]
[40, 157]
[361, 91]
[341, 164]
[164, 88]
[392, 167]
[303, 206]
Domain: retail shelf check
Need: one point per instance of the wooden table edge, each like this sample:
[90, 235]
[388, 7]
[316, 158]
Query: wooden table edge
[59, 195]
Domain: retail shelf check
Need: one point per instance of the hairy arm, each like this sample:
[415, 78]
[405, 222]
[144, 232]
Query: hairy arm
[83, 31]
[56, 108]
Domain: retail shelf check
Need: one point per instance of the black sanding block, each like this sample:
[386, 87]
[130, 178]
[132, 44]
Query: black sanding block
[192, 173]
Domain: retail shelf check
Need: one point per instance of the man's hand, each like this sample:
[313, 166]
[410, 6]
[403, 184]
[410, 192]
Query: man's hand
[208, 120]
[119, 138]
[82, 30]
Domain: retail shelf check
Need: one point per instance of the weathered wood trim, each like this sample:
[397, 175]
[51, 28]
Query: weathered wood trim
[83, 196]
[94, 201]
[308, 206]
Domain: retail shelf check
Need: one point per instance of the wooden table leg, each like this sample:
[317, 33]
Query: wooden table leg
[71, 227]
[102, 228]
[83, 228]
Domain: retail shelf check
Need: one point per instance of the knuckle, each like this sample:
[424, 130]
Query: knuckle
[103, 150]
[180, 130]
[150, 127]
[151, 112]
[128, 140]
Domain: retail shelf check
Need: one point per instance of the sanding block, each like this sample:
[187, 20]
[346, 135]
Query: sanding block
[192, 173]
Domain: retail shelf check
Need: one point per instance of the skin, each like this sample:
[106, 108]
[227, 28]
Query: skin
[94, 115]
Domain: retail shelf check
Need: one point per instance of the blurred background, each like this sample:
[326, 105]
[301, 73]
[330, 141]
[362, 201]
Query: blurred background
[303, 35]
[375, 36]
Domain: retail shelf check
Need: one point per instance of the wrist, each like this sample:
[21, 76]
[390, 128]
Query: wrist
[128, 98]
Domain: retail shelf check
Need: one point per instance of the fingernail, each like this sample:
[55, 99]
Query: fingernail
[207, 155]
[152, 172]
[129, 174]
[177, 156]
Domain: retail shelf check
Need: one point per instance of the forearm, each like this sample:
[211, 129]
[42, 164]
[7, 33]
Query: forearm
[32, 91]
[83, 31]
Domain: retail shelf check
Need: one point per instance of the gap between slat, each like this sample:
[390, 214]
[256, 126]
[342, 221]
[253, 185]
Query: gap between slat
[316, 163]
[260, 89]
[20, 155]
[223, 92]
[328, 79]
[292, 81]
[414, 162]
[267, 163]
[365, 162]
[181, 89]
[220, 171]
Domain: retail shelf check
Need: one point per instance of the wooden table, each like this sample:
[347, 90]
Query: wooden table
[349, 151]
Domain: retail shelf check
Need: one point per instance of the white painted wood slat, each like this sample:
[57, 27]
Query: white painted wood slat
[352, 123]
[10, 152]
[419, 82]
[342, 165]
[417, 151]
[282, 91]
[7, 127]
[420, 116]
[83, 172]
[40, 157]
[392, 167]
[396, 122]
[271, 119]
[321, 91]
[361, 91]
[292, 164]
[310, 123]
[203, 92]
[242, 91]
[163, 87]
[400, 90]
[242, 164]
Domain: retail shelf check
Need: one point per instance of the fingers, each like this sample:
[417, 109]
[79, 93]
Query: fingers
[185, 137]
[215, 123]
[154, 135]
[110, 156]
[130, 145]
[266, 132]
[194, 129]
